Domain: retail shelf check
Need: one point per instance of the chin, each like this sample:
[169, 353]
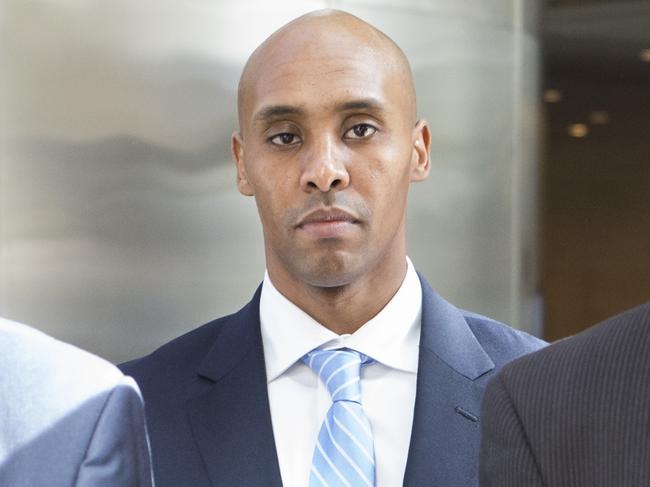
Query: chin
[330, 271]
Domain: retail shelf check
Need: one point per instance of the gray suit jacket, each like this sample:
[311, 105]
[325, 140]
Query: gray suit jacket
[574, 414]
[67, 418]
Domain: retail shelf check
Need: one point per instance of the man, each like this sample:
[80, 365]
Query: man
[345, 368]
[67, 418]
[574, 414]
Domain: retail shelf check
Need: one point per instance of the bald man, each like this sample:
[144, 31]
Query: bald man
[345, 368]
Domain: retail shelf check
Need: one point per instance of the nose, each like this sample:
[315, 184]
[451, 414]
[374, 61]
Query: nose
[324, 167]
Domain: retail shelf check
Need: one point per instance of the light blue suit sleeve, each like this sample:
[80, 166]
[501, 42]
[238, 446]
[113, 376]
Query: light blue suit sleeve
[67, 418]
[118, 451]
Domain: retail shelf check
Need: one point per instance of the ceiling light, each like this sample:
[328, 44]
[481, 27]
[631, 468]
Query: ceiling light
[645, 55]
[599, 117]
[552, 95]
[578, 130]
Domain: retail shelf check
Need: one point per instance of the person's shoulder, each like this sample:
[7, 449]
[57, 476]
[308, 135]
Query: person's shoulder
[501, 342]
[629, 327]
[178, 354]
[186, 351]
[173, 371]
[49, 389]
[607, 354]
[619, 341]
[43, 359]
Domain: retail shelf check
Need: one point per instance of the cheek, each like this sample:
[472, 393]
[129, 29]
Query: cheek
[270, 172]
[387, 184]
[274, 205]
[387, 174]
[265, 196]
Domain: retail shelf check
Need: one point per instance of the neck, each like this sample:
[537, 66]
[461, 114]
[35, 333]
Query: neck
[344, 309]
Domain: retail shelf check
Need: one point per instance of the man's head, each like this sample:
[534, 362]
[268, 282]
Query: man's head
[328, 145]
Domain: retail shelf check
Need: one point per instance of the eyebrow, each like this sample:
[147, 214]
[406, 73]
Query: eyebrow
[371, 104]
[271, 112]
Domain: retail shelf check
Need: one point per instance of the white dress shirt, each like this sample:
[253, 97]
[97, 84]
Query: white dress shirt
[299, 401]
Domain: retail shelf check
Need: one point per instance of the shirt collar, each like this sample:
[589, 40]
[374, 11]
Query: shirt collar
[391, 337]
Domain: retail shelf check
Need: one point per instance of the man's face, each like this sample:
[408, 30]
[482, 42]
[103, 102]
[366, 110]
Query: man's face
[329, 146]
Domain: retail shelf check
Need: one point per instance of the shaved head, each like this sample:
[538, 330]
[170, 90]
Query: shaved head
[315, 33]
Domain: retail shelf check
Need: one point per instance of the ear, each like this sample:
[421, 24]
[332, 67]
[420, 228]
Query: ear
[420, 162]
[237, 148]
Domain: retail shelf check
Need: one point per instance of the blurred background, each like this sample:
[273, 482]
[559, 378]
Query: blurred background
[121, 226]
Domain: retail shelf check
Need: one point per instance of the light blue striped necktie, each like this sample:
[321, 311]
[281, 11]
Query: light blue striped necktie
[344, 453]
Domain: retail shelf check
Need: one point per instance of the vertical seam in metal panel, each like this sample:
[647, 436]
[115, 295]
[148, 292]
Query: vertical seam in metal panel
[515, 199]
[3, 165]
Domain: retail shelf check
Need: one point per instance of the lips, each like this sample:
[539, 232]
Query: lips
[328, 222]
[327, 215]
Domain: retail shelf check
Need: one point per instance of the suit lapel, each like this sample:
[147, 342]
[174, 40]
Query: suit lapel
[231, 419]
[444, 438]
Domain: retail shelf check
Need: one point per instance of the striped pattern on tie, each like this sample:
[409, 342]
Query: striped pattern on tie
[344, 454]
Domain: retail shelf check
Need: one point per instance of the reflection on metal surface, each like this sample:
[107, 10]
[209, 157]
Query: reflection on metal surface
[121, 223]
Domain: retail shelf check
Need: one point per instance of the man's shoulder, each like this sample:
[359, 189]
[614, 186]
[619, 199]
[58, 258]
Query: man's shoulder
[178, 369]
[45, 362]
[621, 342]
[179, 353]
[185, 352]
[472, 344]
[67, 387]
[501, 342]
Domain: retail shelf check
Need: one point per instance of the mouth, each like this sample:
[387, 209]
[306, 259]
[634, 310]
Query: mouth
[328, 222]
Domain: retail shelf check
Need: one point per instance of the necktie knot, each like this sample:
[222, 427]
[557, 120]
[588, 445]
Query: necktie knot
[339, 370]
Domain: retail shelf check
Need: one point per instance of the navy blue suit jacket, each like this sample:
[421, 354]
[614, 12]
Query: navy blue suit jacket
[208, 410]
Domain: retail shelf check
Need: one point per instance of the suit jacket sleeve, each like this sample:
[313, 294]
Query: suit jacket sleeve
[118, 451]
[506, 458]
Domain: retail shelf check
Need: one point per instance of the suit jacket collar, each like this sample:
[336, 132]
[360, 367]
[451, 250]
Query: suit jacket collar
[444, 437]
[231, 420]
[446, 334]
[239, 336]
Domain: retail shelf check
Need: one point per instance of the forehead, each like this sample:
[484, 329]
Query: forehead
[319, 83]
[322, 73]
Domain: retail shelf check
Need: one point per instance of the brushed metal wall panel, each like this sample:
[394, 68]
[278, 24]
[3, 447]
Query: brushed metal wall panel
[121, 225]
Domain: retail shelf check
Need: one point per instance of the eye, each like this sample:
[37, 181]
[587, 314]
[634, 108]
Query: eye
[284, 138]
[360, 131]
